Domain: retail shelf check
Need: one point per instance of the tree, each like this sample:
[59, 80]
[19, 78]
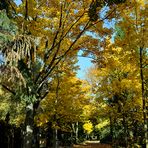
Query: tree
[137, 32]
[49, 32]
[122, 63]
[63, 106]
[117, 88]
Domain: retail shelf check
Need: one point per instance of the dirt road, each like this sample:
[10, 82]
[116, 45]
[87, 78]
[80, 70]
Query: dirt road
[92, 145]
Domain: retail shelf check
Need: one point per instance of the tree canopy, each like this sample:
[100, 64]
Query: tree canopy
[41, 96]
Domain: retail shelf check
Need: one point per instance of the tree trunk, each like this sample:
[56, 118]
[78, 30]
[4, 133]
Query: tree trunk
[29, 123]
[143, 99]
[49, 136]
[77, 130]
[111, 129]
[55, 138]
[36, 137]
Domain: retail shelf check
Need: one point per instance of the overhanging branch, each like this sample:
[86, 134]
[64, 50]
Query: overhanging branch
[8, 89]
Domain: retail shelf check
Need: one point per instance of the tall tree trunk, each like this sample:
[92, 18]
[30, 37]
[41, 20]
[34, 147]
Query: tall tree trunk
[111, 129]
[36, 136]
[49, 135]
[75, 130]
[55, 138]
[29, 123]
[143, 98]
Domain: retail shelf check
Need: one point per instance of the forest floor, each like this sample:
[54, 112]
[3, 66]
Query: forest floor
[92, 144]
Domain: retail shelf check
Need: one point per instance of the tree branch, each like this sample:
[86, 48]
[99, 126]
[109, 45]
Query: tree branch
[8, 89]
[26, 10]
[66, 52]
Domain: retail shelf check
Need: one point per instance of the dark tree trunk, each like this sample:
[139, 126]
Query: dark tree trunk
[49, 135]
[55, 138]
[143, 99]
[36, 136]
[111, 129]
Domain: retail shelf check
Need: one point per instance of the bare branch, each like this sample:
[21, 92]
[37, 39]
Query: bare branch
[26, 10]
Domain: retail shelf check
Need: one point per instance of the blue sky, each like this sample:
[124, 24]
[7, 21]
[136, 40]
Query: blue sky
[84, 64]
[17, 1]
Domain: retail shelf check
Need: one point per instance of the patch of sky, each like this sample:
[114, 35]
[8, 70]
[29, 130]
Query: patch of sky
[76, 11]
[103, 12]
[18, 2]
[1, 59]
[107, 23]
[84, 63]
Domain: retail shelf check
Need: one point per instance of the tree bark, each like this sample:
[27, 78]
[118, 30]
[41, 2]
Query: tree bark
[75, 130]
[29, 123]
[111, 129]
[55, 138]
[36, 136]
[143, 99]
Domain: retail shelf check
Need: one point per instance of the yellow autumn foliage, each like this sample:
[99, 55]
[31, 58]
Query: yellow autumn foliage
[88, 127]
[102, 124]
